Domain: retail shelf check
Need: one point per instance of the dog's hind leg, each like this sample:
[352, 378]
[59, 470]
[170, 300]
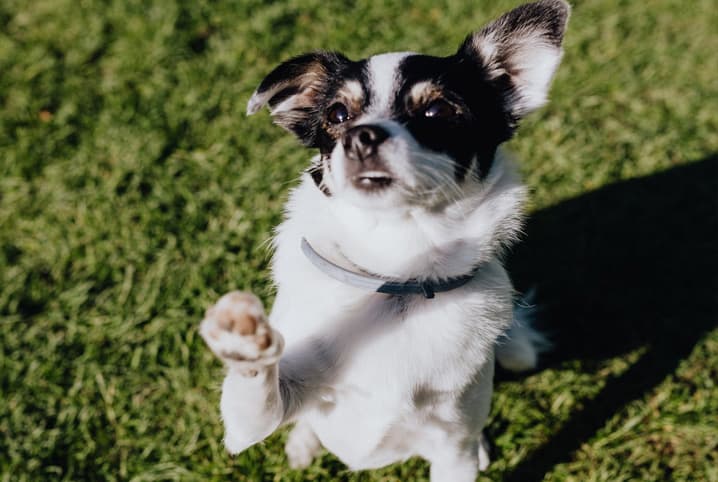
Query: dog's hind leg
[302, 446]
[237, 331]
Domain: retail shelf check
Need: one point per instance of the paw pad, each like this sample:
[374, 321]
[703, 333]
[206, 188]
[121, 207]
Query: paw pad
[236, 330]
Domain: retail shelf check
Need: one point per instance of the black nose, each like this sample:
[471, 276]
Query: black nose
[361, 142]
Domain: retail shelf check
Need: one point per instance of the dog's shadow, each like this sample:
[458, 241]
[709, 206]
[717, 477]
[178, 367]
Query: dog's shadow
[633, 264]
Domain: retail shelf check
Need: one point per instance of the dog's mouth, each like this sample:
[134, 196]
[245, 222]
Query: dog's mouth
[372, 180]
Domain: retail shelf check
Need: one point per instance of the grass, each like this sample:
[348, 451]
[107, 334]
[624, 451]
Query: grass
[134, 192]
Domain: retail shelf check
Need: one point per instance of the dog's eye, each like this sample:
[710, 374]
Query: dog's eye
[440, 109]
[338, 113]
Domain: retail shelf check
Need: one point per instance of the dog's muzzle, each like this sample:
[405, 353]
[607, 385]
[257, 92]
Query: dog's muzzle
[365, 167]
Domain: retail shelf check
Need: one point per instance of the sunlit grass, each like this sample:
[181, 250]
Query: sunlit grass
[134, 191]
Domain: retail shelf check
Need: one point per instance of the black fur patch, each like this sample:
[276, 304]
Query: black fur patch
[312, 80]
[485, 94]
[316, 171]
[476, 131]
[488, 116]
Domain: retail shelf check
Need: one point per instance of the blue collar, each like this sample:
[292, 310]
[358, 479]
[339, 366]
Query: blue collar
[383, 285]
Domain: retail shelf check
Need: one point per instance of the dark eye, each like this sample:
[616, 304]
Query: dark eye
[440, 109]
[338, 113]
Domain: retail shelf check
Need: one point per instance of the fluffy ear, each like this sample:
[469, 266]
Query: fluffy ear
[294, 91]
[520, 52]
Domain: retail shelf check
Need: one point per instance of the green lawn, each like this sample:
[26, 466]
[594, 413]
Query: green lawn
[134, 192]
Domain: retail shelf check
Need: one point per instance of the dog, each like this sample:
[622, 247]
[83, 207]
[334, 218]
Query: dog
[392, 303]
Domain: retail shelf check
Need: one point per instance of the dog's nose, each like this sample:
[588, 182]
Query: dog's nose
[361, 142]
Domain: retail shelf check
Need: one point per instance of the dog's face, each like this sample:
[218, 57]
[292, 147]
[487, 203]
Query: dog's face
[416, 130]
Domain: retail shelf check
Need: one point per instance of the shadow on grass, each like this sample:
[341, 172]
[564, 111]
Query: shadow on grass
[632, 264]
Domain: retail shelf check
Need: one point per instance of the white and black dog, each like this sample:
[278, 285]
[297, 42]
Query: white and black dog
[392, 301]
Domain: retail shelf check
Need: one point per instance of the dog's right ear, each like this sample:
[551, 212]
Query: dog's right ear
[295, 91]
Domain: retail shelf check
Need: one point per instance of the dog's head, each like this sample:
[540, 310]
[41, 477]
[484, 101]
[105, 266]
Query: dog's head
[410, 129]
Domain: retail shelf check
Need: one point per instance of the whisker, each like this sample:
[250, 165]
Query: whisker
[446, 184]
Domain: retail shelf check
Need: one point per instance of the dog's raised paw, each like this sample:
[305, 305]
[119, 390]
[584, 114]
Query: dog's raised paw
[237, 331]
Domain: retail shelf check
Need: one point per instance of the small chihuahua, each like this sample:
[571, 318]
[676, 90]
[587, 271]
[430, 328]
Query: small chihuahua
[392, 303]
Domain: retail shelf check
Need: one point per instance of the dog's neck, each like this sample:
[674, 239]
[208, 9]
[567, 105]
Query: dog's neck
[419, 243]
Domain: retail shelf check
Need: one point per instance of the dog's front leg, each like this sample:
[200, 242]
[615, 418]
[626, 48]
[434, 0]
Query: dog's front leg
[237, 331]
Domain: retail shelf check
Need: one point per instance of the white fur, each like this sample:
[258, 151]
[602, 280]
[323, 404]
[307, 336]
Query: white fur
[373, 378]
[533, 64]
[383, 69]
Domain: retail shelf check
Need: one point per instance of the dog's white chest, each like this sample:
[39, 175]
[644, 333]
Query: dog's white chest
[364, 417]
[355, 424]
[375, 354]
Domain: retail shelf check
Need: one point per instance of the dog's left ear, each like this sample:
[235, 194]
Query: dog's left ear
[294, 92]
[519, 52]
